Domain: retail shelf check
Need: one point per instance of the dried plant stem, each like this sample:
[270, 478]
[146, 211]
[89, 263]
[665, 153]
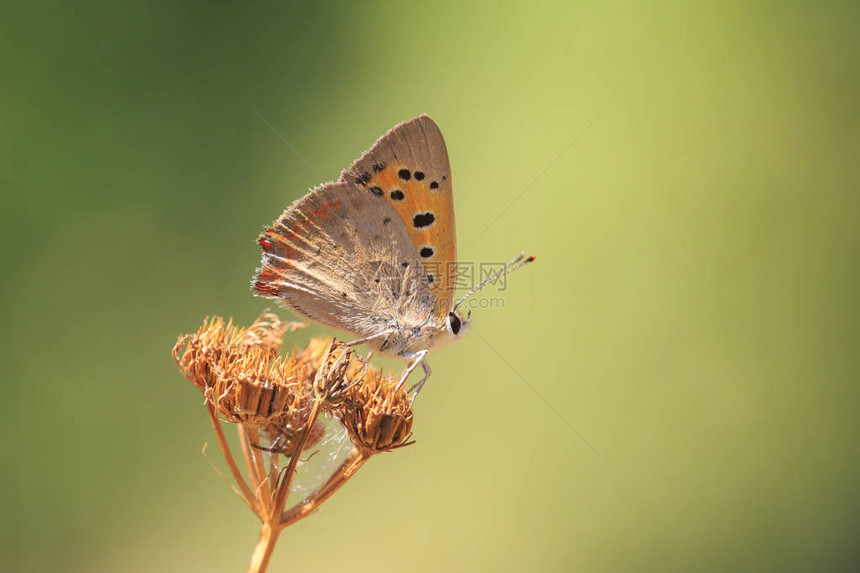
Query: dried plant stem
[252, 475]
[272, 523]
[290, 472]
[346, 470]
[269, 533]
[255, 462]
[274, 464]
[231, 463]
[265, 547]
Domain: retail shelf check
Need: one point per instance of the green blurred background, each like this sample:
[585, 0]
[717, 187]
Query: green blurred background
[693, 313]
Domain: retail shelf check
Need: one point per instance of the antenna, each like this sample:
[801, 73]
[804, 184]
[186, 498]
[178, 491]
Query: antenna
[515, 264]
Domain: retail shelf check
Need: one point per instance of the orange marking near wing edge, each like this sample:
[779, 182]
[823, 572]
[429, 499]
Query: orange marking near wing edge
[324, 209]
[265, 283]
[265, 288]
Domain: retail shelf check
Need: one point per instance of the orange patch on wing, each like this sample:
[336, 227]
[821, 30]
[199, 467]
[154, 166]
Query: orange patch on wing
[385, 179]
[418, 197]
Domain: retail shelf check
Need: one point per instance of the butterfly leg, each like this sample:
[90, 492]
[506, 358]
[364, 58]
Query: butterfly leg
[427, 372]
[369, 338]
[416, 359]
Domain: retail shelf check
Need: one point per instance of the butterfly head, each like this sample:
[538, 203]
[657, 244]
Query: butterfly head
[456, 325]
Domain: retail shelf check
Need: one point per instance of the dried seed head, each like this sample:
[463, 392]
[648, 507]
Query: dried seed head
[377, 417]
[242, 375]
[341, 370]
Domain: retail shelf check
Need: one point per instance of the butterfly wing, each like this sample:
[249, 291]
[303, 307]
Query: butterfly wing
[408, 167]
[341, 256]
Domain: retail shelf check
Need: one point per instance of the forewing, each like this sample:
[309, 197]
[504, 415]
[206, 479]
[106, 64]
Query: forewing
[408, 167]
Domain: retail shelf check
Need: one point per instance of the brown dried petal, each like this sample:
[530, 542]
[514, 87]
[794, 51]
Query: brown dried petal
[268, 331]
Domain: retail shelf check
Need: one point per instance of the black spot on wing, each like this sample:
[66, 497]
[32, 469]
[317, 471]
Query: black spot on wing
[425, 219]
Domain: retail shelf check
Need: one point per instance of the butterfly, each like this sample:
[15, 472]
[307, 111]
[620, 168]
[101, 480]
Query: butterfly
[374, 253]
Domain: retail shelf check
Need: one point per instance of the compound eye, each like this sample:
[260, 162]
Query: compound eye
[454, 322]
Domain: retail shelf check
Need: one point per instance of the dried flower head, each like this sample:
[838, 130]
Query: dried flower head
[242, 375]
[377, 415]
